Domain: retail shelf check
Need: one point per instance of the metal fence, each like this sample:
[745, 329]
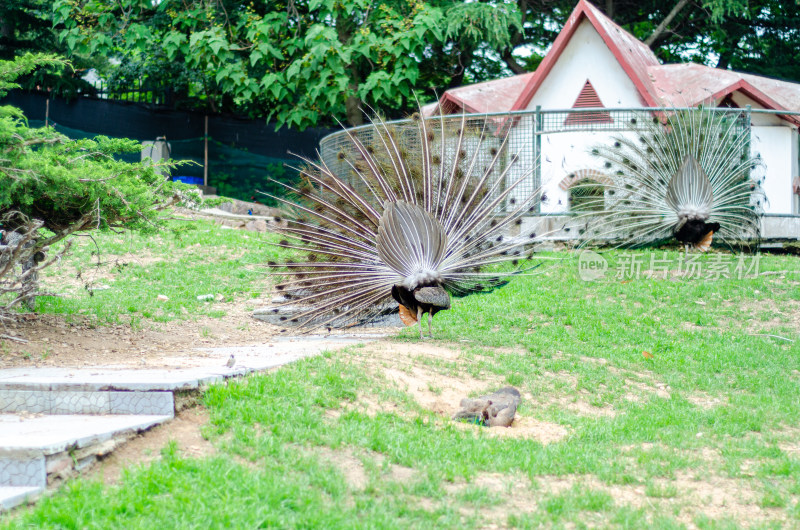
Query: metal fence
[541, 139]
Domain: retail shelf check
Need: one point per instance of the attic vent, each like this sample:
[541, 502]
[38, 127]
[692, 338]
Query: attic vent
[588, 98]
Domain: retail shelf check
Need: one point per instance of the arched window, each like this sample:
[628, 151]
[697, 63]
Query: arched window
[587, 189]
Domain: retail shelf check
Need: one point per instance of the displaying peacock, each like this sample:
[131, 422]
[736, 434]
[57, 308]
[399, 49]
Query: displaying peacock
[686, 175]
[421, 210]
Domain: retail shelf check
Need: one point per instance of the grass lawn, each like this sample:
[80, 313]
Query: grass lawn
[117, 278]
[663, 402]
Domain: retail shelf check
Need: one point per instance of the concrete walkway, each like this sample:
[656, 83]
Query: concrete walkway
[55, 422]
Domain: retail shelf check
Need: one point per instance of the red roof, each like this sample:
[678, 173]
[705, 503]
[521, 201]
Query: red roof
[658, 85]
[689, 85]
[633, 55]
[489, 96]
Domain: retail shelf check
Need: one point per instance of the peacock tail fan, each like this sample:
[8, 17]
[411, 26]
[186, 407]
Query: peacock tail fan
[686, 175]
[437, 200]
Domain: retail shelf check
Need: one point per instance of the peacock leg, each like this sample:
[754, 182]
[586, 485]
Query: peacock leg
[430, 331]
[419, 319]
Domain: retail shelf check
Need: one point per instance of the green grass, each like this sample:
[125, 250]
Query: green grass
[717, 404]
[187, 260]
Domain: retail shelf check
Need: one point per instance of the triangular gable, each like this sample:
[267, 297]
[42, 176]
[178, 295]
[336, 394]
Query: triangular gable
[633, 55]
[588, 99]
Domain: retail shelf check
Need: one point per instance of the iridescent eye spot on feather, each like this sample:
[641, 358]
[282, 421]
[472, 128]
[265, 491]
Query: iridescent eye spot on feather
[430, 136]
[493, 151]
[283, 243]
[341, 155]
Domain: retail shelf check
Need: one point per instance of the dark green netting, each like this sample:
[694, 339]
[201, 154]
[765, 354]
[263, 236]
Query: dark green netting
[243, 154]
[233, 172]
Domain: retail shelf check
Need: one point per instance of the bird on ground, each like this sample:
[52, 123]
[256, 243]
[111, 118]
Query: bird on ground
[684, 176]
[406, 212]
[231, 361]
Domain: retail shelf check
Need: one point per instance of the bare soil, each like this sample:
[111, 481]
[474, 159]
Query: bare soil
[54, 341]
[185, 430]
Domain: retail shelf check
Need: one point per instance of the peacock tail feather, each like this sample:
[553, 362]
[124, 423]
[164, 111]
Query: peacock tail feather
[678, 173]
[429, 201]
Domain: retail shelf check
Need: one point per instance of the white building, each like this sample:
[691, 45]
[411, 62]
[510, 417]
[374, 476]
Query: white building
[595, 63]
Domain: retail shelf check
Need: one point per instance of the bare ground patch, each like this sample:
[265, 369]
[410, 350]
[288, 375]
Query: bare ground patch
[351, 463]
[437, 389]
[185, 429]
[56, 340]
[688, 497]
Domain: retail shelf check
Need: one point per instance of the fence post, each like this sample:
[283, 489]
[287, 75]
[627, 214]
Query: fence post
[205, 153]
[537, 155]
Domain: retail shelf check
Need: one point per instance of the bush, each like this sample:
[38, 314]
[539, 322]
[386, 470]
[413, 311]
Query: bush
[52, 187]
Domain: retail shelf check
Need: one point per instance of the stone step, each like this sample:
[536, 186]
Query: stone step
[47, 435]
[79, 402]
[11, 496]
[36, 450]
[55, 422]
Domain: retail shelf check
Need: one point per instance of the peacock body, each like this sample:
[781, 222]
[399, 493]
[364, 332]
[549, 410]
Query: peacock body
[424, 209]
[685, 176]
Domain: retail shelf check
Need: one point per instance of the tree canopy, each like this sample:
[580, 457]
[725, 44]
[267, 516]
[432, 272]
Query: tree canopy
[309, 62]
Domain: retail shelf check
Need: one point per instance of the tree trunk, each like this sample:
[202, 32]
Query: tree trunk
[662, 27]
[512, 63]
[352, 105]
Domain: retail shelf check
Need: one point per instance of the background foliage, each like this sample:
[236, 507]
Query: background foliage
[309, 62]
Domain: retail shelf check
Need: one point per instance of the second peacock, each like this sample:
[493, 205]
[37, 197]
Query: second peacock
[421, 212]
[686, 175]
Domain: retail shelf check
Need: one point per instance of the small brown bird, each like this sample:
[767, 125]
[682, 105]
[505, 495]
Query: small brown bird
[231, 361]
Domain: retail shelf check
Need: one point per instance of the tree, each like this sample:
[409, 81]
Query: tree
[26, 26]
[52, 187]
[301, 62]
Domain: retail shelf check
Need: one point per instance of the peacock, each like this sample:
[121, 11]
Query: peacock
[684, 176]
[405, 213]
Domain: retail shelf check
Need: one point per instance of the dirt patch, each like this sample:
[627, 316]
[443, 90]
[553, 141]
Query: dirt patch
[350, 463]
[79, 342]
[685, 497]
[55, 340]
[544, 432]
[783, 314]
[185, 429]
[706, 401]
[418, 370]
